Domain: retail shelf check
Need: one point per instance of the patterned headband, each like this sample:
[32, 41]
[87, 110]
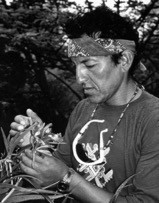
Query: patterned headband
[88, 46]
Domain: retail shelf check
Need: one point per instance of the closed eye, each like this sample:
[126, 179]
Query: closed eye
[90, 65]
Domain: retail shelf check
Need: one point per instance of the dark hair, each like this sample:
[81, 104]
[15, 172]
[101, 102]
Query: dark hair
[109, 24]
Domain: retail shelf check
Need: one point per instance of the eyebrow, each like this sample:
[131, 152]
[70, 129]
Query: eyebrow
[84, 60]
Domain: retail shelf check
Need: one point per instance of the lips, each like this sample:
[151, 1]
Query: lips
[89, 90]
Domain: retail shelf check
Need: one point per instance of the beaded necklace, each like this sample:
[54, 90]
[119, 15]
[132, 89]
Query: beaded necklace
[110, 140]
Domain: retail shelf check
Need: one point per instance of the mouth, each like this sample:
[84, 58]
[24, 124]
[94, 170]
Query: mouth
[89, 90]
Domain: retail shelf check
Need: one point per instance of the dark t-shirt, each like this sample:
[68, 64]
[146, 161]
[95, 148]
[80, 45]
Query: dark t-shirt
[135, 149]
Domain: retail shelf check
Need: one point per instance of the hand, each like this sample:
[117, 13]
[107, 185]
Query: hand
[21, 122]
[47, 169]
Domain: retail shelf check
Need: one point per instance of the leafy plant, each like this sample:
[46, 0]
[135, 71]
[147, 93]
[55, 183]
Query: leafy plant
[40, 139]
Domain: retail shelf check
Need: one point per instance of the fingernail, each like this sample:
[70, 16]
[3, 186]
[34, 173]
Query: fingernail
[22, 140]
[21, 154]
[22, 122]
[20, 127]
[29, 110]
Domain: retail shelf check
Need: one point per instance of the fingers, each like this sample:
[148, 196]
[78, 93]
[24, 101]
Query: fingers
[28, 169]
[16, 127]
[29, 154]
[29, 164]
[33, 116]
[12, 132]
[26, 120]
[21, 122]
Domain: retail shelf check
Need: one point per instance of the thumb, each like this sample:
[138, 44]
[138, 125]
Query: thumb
[33, 116]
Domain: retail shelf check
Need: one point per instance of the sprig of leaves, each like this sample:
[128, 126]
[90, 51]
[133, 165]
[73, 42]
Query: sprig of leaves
[42, 140]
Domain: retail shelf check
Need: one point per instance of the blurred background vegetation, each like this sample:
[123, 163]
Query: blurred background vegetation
[34, 69]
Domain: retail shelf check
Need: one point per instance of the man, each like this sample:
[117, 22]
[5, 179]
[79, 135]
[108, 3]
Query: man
[113, 135]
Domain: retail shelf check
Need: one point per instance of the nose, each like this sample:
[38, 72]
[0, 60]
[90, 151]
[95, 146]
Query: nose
[81, 74]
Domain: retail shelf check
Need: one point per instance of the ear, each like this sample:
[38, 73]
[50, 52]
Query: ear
[126, 60]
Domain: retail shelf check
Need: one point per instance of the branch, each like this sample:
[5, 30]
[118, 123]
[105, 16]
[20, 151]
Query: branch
[154, 64]
[67, 85]
[59, 58]
[89, 4]
[4, 3]
[151, 83]
[103, 2]
[118, 2]
[151, 33]
[145, 13]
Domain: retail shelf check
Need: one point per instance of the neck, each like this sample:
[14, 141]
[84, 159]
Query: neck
[124, 94]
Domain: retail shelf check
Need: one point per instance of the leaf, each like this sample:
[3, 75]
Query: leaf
[27, 190]
[46, 197]
[115, 196]
[40, 141]
[5, 140]
[20, 197]
[16, 139]
[65, 199]
[45, 128]
[3, 191]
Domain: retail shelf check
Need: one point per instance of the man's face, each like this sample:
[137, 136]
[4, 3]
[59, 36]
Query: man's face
[99, 77]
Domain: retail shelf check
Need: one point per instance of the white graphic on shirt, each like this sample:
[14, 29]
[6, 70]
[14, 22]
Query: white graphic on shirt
[96, 169]
[97, 173]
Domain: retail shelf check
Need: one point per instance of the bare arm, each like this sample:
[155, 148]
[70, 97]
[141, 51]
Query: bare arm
[84, 191]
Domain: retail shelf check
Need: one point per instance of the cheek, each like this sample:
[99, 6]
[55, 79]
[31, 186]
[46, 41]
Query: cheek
[102, 77]
[109, 82]
[105, 71]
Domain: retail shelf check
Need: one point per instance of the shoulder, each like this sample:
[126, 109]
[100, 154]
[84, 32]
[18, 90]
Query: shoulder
[143, 115]
[147, 105]
[150, 106]
[148, 112]
[150, 100]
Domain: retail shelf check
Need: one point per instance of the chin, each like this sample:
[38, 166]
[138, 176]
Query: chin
[95, 99]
